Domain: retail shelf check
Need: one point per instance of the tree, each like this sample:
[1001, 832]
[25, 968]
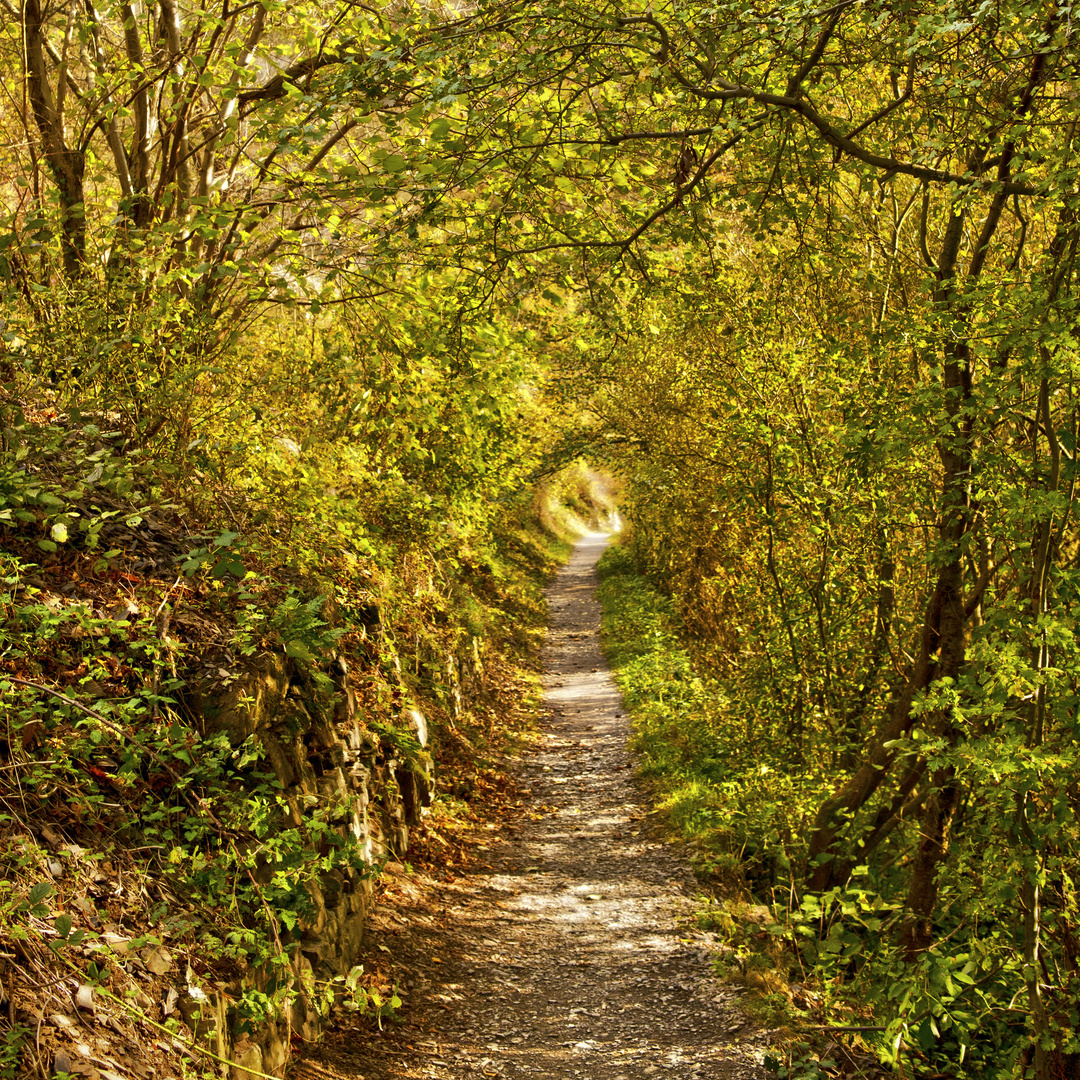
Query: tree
[892, 411]
[924, 154]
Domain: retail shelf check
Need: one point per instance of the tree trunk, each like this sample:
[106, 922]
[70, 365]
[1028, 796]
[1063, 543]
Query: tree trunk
[66, 164]
[942, 644]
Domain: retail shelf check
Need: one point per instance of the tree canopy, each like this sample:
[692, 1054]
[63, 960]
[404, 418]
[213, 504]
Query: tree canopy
[804, 274]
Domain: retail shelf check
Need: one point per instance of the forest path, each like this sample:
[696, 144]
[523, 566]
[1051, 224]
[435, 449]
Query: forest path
[574, 954]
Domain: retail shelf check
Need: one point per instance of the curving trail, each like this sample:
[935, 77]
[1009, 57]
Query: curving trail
[574, 955]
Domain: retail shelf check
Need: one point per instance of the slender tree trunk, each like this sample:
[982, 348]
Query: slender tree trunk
[941, 647]
[886, 602]
[1044, 543]
[827, 858]
[66, 164]
[955, 451]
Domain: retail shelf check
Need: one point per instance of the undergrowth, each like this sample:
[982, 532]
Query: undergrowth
[122, 613]
[709, 767]
[815, 962]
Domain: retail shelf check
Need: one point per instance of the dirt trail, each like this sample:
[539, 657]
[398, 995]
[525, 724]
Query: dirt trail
[574, 955]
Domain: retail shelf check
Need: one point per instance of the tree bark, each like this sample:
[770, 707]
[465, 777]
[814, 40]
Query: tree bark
[66, 164]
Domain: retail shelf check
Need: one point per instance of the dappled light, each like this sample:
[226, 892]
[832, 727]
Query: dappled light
[327, 329]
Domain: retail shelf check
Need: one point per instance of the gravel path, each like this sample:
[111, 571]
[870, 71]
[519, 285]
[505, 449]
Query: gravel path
[574, 954]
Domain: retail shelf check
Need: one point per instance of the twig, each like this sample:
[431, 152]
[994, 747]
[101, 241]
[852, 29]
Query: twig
[405, 1051]
[844, 1027]
[311, 1067]
[37, 1047]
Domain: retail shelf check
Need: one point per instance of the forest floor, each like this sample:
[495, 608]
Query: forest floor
[568, 947]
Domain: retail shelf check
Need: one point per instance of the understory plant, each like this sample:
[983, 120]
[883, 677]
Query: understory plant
[728, 786]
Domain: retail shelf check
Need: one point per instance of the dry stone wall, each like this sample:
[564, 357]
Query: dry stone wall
[313, 735]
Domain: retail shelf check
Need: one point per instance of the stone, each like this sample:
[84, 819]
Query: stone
[274, 1051]
[312, 736]
[350, 938]
[246, 1063]
[416, 721]
[251, 698]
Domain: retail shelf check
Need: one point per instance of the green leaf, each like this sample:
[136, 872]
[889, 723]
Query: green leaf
[298, 650]
[41, 891]
[228, 564]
